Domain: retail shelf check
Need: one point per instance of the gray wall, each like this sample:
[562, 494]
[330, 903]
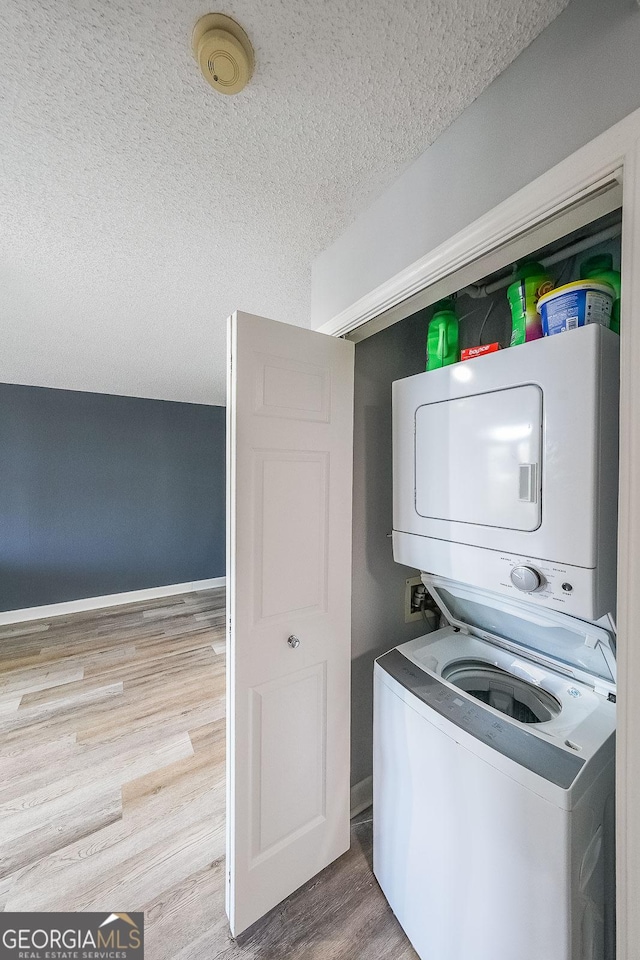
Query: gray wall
[378, 582]
[580, 76]
[103, 494]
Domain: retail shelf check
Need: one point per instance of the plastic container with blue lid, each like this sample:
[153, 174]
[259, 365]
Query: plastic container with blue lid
[575, 305]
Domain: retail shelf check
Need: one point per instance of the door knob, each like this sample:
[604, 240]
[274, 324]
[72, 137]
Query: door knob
[293, 642]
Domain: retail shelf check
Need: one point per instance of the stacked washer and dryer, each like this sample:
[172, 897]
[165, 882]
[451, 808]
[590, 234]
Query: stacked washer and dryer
[494, 736]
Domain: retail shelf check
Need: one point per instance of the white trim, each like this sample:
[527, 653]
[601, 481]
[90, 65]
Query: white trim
[628, 619]
[361, 796]
[570, 182]
[229, 889]
[442, 278]
[614, 154]
[110, 600]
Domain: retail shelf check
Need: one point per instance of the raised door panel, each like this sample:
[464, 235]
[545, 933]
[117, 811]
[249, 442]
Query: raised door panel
[291, 493]
[288, 800]
[291, 389]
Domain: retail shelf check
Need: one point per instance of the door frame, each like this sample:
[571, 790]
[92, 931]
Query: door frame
[611, 157]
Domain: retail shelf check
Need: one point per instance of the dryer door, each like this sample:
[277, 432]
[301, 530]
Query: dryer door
[478, 459]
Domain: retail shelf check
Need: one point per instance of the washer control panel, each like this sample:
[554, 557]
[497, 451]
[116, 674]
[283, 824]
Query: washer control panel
[508, 737]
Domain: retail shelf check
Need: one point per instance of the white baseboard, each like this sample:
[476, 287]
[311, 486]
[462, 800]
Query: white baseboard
[112, 600]
[361, 796]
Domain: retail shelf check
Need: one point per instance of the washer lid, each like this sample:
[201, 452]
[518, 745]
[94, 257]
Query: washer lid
[584, 649]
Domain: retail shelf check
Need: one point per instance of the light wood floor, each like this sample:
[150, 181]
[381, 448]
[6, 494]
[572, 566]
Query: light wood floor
[112, 790]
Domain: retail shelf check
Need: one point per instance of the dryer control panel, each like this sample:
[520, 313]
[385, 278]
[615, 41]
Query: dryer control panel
[572, 590]
[551, 583]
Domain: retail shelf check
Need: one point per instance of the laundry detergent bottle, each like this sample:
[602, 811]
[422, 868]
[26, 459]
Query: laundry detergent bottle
[443, 345]
[600, 267]
[531, 282]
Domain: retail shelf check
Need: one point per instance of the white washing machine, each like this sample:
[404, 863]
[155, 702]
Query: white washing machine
[494, 782]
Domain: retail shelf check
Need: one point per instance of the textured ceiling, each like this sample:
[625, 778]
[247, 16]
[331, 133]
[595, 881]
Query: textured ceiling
[139, 208]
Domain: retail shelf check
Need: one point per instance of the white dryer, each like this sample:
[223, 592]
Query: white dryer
[494, 780]
[505, 471]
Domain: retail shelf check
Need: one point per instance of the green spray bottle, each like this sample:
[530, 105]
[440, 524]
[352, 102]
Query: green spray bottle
[600, 267]
[442, 336]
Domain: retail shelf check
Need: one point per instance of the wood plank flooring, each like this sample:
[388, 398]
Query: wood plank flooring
[112, 790]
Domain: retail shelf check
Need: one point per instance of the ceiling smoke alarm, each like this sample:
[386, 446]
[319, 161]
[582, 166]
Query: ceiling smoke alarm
[224, 52]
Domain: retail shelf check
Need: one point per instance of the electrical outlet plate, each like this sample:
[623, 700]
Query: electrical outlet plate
[409, 586]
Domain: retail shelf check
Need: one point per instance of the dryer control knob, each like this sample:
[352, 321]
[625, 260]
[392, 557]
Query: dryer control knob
[526, 579]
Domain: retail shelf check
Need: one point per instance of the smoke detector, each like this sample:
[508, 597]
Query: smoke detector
[224, 52]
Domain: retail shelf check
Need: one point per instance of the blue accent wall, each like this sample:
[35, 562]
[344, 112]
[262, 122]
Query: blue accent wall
[103, 494]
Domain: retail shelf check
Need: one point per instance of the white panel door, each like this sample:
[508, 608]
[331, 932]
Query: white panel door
[290, 427]
[478, 459]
